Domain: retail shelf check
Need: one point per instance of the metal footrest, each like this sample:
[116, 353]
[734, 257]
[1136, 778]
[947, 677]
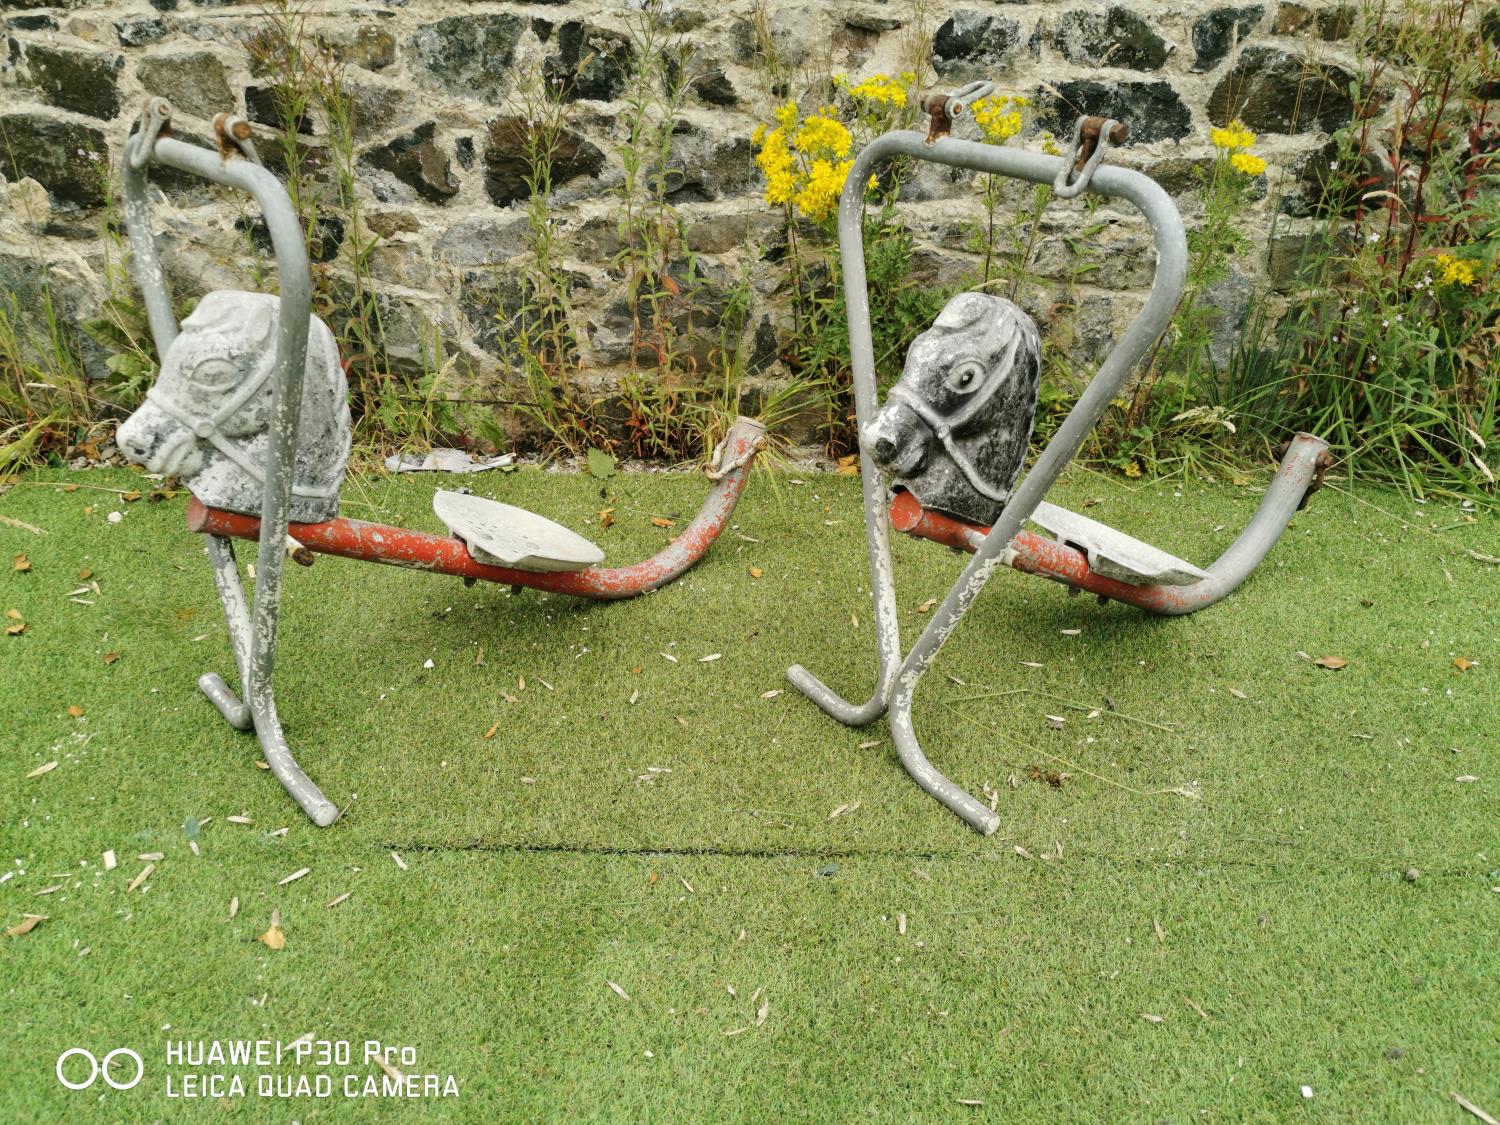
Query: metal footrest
[1114, 554]
[499, 534]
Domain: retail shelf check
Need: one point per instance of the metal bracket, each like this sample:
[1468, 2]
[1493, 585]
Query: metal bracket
[1092, 138]
[944, 109]
[233, 132]
[156, 121]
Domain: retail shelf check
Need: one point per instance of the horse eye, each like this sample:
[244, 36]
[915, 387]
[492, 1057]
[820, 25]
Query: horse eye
[964, 377]
[215, 373]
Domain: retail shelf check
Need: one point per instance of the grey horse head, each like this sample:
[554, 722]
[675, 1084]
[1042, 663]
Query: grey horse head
[955, 427]
[208, 417]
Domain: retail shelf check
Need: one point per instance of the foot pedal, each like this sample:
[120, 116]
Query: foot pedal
[1114, 554]
[503, 535]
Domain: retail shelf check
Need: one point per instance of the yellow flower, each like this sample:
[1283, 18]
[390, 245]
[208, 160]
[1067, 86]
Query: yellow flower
[759, 136]
[819, 196]
[823, 136]
[1232, 138]
[999, 118]
[778, 166]
[882, 89]
[786, 115]
[873, 182]
[1049, 145]
[1133, 469]
[1454, 271]
[1247, 163]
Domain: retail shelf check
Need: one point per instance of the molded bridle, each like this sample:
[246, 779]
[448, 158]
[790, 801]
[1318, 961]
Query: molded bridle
[209, 427]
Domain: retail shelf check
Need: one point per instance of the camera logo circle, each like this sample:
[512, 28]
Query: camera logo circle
[99, 1067]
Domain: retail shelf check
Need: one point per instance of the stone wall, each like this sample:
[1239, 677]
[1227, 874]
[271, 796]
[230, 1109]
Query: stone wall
[442, 175]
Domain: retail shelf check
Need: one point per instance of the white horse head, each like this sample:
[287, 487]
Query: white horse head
[955, 427]
[208, 417]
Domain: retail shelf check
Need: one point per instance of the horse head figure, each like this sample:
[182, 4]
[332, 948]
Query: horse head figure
[208, 417]
[954, 428]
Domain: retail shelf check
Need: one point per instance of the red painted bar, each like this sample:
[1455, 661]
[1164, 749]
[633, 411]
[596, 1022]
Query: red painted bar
[1035, 554]
[441, 554]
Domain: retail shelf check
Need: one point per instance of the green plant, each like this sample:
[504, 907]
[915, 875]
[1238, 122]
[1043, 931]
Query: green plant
[48, 403]
[536, 325]
[1390, 347]
[309, 91]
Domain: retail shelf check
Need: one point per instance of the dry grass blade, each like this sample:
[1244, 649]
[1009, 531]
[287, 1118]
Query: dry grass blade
[1465, 1103]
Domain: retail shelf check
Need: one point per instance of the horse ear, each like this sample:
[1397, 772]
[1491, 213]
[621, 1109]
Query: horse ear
[962, 311]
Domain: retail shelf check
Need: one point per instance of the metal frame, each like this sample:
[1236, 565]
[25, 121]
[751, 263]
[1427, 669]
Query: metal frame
[897, 676]
[252, 631]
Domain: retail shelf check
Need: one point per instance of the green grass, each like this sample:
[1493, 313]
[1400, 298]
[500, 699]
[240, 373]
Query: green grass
[1021, 982]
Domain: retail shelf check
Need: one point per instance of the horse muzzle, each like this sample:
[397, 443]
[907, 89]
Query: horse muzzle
[897, 439]
[152, 438]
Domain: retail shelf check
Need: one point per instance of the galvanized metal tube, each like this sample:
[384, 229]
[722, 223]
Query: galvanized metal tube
[1166, 287]
[286, 410]
[1171, 268]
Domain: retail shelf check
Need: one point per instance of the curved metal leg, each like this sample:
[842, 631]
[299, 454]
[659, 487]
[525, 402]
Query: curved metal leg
[976, 814]
[257, 709]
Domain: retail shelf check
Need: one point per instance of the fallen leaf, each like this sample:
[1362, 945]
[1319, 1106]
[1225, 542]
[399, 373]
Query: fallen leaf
[772, 694]
[756, 572]
[1465, 778]
[491, 732]
[111, 657]
[763, 1011]
[1056, 722]
[1237, 693]
[606, 517]
[294, 876]
[601, 464]
[1023, 853]
[239, 820]
[234, 907]
[1161, 934]
[14, 615]
[27, 923]
[273, 938]
[262, 764]
[130, 497]
[617, 990]
[335, 901]
[1149, 1018]
[401, 863]
[1070, 632]
[15, 630]
[141, 878]
[970, 1101]
[848, 466]
[1462, 664]
[47, 768]
[1334, 662]
[710, 657]
[20, 564]
[662, 521]
[150, 857]
[75, 711]
[927, 605]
